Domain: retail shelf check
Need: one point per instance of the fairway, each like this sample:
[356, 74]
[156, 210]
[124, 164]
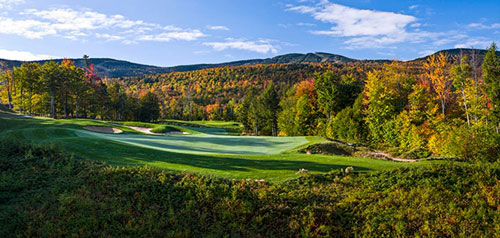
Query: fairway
[208, 151]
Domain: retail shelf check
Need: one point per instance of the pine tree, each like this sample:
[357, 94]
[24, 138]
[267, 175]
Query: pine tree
[491, 78]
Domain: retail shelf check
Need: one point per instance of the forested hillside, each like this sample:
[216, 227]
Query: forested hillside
[445, 105]
[112, 68]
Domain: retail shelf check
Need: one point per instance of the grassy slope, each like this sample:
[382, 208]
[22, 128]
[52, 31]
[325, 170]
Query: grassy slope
[262, 158]
[46, 193]
[211, 127]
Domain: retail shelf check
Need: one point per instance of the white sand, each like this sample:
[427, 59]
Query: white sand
[146, 130]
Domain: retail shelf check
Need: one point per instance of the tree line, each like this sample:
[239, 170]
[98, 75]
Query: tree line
[65, 91]
[451, 108]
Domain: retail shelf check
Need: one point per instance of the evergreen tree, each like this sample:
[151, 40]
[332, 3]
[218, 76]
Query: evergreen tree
[491, 78]
[149, 107]
[269, 106]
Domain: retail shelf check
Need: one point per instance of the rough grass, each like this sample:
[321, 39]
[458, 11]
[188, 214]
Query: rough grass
[270, 158]
[44, 192]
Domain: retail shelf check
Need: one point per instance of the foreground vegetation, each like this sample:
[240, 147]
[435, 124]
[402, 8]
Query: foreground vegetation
[46, 192]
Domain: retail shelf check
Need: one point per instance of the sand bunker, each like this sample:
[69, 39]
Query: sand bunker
[103, 129]
[148, 131]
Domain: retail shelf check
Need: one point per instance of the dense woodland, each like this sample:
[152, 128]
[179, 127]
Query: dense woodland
[441, 106]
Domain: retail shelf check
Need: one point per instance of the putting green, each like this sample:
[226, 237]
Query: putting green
[205, 143]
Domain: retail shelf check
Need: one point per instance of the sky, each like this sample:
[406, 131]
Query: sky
[179, 32]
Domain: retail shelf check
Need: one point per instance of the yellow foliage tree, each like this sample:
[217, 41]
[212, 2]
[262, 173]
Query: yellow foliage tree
[437, 70]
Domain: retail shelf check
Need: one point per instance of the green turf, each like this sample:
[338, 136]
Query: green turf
[209, 127]
[270, 158]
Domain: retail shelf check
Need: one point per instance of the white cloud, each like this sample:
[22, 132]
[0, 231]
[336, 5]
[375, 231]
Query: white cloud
[305, 24]
[260, 46]
[479, 43]
[9, 3]
[23, 55]
[218, 28]
[31, 29]
[302, 9]
[69, 19]
[109, 37]
[174, 35]
[367, 28]
[413, 7]
[172, 28]
[355, 22]
[483, 26]
[78, 25]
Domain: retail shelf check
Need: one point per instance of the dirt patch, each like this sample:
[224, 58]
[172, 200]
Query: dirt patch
[346, 149]
[103, 129]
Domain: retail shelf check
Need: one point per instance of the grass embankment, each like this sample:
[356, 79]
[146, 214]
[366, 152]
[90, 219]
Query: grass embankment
[269, 158]
[156, 128]
[44, 192]
[213, 127]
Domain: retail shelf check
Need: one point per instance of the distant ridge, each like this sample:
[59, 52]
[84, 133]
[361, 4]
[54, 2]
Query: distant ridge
[113, 68]
[459, 51]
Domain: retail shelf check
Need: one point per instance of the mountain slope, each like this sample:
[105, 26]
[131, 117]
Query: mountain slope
[105, 67]
[456, 53]
[119, 68]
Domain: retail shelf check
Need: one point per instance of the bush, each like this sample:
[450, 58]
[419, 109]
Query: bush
[475, 143]
[348, 124]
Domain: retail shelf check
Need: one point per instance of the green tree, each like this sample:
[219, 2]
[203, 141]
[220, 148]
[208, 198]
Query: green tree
[51, 77]
[286, 118]
[491, 78]
[348, 124]
[269, 107]
[335, 92]
[117, 99]
[149, 107]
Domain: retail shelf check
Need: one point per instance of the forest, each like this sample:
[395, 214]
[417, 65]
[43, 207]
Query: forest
[442, 106]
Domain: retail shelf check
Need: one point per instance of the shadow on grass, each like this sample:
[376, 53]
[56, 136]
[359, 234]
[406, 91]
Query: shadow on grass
[122, 154]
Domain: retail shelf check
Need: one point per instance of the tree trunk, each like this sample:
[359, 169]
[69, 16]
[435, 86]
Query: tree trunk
[22, 96]
[66, 105]
[52, 106]
[465, 105]
[9, 92]
[31, 100]
[443, 107]
[76, 107]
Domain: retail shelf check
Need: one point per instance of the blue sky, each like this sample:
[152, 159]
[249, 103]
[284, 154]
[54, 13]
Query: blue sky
[176, 32]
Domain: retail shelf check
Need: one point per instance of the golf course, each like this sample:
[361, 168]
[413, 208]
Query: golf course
[204, 148]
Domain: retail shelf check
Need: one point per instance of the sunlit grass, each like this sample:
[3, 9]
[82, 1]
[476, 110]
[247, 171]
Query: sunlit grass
[270, 158]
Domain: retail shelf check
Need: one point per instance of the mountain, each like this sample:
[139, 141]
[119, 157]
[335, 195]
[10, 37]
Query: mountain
[113, 68]
[105, 67]
[119, 68]
[456, 53]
